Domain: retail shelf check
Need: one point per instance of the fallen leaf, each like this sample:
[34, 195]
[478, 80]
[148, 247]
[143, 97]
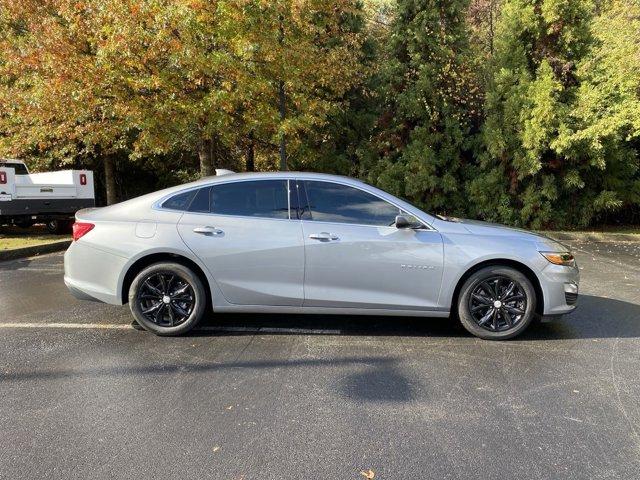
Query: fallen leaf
[368, 474]
[230, 407]
[216, 448]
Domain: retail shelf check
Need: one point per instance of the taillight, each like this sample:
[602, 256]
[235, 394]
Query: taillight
[3, 177]
[83, 179]
[80, 229]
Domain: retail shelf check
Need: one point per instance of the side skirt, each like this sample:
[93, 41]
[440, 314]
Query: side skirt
[439, 313]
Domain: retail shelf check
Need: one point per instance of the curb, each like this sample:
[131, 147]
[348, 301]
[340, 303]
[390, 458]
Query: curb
[34, 250]
[593, 236]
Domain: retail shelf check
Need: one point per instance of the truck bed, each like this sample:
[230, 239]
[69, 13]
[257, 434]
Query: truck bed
[38, 195]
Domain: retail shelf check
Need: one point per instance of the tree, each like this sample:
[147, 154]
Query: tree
[228, 74]
[55, 94]
[334, 146]
[527, 176]
[153, 79]
[429, 106]
[606, 116]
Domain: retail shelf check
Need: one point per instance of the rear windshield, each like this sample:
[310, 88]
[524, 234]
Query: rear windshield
[20, 168]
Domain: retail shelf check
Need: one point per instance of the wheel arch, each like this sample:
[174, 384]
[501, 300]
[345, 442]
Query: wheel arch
[521, 267]
[141, 263]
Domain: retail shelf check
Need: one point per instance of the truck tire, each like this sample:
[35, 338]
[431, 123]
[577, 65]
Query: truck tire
[24, 222]
[58, 227]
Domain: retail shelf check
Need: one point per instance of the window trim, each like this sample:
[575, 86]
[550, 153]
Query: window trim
[424, 226]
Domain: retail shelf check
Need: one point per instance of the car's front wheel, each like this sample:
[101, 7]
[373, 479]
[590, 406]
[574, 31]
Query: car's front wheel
[167, 298]
[497, 303]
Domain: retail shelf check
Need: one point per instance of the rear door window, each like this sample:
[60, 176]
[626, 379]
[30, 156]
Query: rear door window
[260, 198]
[201, 203]
[180, 201]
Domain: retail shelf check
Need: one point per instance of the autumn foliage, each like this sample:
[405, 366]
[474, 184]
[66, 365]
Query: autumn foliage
[525, 112]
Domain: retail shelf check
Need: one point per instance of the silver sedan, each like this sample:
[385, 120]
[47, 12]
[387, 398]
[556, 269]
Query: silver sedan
[311, 243]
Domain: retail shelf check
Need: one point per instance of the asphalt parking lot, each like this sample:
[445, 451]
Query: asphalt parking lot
[85, 395]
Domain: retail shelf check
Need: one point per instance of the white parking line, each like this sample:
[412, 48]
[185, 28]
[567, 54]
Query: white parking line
[116, 326]
[108, 326]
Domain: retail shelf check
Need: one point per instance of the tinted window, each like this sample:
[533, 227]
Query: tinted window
[332, 202]
[180, 201]
[19, 168]
[200, 202]
[263, 198]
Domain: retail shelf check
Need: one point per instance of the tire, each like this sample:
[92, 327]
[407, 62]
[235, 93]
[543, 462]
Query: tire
[157, 304]
[490, 308]
[58, 227]
[24, 222]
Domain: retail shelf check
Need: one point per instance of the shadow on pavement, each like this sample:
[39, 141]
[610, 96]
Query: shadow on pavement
[377, 379]
[368, 378]
[15, 264]
[596, 317]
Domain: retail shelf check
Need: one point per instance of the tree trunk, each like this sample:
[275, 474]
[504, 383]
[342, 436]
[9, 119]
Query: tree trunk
[110, 179]
[205, 154]
[283, 114]
[250, 153]
[282, 100]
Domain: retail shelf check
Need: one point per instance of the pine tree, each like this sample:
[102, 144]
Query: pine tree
[606, 118]
[528, 175]
[428, 95]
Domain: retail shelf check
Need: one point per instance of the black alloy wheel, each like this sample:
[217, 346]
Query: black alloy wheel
[496, 303]
[167, 298]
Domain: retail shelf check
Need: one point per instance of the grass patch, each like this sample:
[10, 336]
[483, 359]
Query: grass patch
[12, 238]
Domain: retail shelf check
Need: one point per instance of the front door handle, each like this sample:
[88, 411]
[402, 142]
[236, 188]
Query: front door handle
[207, 230]
[324, 236]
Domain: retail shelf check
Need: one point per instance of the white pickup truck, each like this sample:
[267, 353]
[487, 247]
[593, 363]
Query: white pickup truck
[52, 198]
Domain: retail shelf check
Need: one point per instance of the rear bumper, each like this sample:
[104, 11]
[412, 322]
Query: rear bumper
[76, 292]
[93, 274]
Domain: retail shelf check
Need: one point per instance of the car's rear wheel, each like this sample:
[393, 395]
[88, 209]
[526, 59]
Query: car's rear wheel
[497, 303]
[167, 298]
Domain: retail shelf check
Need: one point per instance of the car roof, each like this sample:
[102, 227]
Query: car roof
[266, 175]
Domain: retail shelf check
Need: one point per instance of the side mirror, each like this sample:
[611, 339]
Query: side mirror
[404, 222]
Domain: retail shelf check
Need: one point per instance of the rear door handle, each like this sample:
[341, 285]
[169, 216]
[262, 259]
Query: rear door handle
[207, 230]
[326, 236]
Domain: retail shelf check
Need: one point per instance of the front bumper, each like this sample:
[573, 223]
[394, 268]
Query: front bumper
[560, 287]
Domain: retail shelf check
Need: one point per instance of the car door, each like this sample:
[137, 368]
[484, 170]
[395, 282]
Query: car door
[356, 257]
[243, 233]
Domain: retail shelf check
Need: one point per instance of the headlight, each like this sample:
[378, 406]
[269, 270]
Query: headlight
[560, 258]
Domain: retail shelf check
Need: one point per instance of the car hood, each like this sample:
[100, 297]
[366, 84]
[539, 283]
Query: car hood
[478, 227]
